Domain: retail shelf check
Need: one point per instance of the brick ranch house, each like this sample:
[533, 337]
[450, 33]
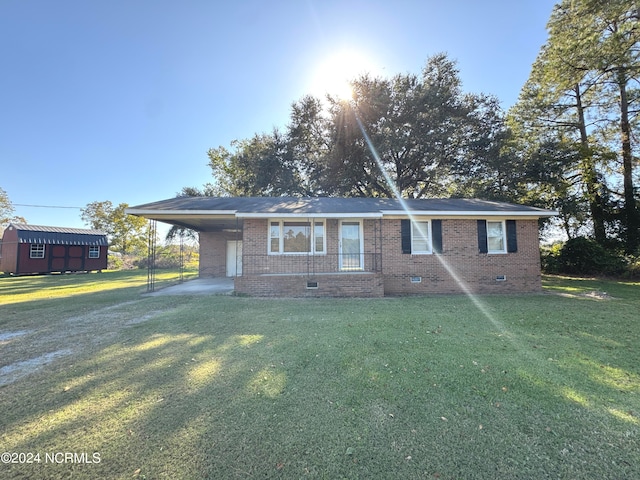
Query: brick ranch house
[366, 247]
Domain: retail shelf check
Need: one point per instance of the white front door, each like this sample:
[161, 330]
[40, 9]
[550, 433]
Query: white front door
[234, 258]
[351, 246]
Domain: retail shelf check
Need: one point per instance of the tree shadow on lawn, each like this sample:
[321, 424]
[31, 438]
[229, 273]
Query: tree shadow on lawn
[25, 286]
[24, 290]
[233, 388]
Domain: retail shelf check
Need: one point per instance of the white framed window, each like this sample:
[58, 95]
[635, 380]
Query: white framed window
[36, 250]
[94, 251]
[421, 237]
[296, 237]
[496, 237]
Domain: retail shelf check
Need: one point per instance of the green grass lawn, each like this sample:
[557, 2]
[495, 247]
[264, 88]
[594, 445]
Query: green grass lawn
[447, 387]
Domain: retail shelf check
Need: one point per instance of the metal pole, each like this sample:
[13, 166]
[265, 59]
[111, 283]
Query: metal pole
[151, 256]
[181, 256]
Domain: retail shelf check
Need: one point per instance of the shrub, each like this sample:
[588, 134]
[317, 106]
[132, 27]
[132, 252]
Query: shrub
[549, 258]
[633, 269]
[583, 256]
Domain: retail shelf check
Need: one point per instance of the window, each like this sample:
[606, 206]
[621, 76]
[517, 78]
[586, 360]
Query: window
[495, 237]
[296, 237]
[94, 251]
[420, 237]
[36, 251]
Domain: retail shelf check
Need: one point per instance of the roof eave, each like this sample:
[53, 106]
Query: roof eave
[141, 212]
[470, 213]
[309, 215]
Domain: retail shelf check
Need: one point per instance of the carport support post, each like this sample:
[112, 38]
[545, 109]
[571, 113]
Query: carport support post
[151, 256]
[181, 255]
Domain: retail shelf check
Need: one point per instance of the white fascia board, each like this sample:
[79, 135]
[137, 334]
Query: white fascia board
[309, 215]
[165, 213]
[468, 214]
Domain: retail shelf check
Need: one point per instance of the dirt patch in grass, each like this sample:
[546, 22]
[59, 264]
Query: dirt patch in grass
[24, 352]
[11, 373]
[593, 295]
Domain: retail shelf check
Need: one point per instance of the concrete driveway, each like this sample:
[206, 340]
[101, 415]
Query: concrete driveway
[199, 286]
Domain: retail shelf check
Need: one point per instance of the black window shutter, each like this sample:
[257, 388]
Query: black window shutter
[512, 236]
[436, 235]
[482, 236]
[405, 235]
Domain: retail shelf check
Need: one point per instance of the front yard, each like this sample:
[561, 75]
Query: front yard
[448, 387]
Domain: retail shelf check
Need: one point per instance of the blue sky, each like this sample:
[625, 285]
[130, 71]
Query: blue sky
[120, 100]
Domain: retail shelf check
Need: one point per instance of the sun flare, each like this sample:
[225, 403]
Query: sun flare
[334, 74]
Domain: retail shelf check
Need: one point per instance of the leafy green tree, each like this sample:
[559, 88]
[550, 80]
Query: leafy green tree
[127, 233]
[6, 211]
[310, 144]
[176, 231]
[258, 166]
[425, 131]
[554, 108]
[427, 135]
[585, 77]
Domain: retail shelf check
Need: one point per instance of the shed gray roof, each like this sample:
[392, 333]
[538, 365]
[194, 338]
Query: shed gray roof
[59, 235]
[213, 213]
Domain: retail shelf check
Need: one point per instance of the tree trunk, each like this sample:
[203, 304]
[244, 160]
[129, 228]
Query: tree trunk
[590, 175]
[630, 210]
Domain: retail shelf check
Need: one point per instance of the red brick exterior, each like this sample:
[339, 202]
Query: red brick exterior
[291, 275]
[460, 268]
[387, 271]
[213, 252]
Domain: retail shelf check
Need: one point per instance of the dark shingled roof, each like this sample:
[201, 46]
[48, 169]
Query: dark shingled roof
[59, 235]
[330, 205]
[220, 213]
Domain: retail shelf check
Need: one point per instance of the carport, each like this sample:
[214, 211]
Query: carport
[199, 286]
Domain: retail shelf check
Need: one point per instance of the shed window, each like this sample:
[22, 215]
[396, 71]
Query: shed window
[94, 251]
[36, 250]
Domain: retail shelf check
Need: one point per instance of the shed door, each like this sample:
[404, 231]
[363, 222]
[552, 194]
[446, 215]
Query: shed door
[58, 258]
[75, 260]
[234, 258]
[67, 258]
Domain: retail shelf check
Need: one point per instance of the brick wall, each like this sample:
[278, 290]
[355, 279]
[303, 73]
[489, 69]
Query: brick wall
[280, 275]
[361, 284]
[461, 266]
[213, 253]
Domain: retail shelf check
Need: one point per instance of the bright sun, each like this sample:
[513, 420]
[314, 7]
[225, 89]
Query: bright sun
[333, 75]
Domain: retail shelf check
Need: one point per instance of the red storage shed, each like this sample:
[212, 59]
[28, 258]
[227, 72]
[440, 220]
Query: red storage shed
[29, 249]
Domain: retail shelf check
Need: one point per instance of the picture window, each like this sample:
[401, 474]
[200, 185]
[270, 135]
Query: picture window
[296, 237]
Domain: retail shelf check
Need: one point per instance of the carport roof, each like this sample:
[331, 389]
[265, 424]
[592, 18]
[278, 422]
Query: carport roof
[220, 213]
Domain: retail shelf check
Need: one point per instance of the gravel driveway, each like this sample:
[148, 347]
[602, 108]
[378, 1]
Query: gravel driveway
[23, 352]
